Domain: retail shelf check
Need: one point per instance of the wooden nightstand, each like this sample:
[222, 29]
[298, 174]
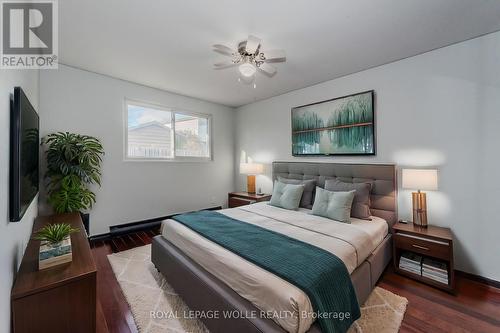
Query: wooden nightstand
[236, 199]
[432, 242]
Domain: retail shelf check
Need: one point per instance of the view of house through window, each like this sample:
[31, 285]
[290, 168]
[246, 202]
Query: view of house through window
[162, 133]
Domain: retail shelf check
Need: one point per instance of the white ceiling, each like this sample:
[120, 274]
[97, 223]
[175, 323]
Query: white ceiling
[167, 44]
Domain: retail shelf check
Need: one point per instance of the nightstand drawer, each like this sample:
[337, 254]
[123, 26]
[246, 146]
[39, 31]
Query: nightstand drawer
[236, 202]
[421, 245]
[236, 199]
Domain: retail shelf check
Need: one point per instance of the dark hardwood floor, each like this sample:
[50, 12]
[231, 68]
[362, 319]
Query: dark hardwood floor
[114, 306]
[474, 308]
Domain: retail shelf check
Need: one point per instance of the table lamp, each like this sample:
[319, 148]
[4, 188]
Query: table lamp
[420, 179]
[251, 169]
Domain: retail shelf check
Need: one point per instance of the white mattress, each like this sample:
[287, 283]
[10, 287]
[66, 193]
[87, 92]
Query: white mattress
[352, 243]
[377, 227]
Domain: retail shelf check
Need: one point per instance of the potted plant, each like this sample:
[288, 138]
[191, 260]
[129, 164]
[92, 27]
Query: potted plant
[55, 246]
[73, 165]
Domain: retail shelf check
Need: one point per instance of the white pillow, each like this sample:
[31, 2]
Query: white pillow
[333, 205]
[286, 195]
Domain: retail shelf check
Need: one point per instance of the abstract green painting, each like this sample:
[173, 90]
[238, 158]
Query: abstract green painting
[340, 126]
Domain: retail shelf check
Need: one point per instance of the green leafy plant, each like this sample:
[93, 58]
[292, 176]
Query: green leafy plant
[54, 233]
[73, 164]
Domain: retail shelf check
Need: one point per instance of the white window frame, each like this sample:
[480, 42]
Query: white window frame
[173, 112]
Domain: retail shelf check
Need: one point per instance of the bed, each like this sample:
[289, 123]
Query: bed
[209, 277]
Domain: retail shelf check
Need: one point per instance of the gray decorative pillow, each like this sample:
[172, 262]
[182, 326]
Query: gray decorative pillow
[333, 205]
[361, 202]
[309, 185]
[286, 195]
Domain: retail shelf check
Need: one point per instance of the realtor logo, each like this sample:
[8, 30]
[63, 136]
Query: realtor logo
[29, 34]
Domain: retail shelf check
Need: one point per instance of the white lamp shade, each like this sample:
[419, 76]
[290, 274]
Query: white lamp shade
[420, 179]
[247, 70]
[251, 168]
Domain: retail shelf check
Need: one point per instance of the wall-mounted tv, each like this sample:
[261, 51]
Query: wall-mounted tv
[24, 150]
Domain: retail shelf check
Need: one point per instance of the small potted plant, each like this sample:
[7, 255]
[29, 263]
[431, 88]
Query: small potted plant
[55, 246]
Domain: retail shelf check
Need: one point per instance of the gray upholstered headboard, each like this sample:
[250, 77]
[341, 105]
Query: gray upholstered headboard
[382, 176]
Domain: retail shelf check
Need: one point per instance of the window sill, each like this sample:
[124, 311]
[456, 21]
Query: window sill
[172, 160]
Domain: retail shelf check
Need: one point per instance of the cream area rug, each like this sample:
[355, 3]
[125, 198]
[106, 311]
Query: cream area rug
[157, 308]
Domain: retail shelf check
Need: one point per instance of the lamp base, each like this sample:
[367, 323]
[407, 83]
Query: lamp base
[419, 201]
[251, 184]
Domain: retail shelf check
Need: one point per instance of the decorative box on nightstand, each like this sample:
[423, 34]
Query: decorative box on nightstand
[236, 199]
[433, 246]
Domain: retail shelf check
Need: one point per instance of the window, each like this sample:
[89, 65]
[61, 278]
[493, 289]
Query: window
[160, 133]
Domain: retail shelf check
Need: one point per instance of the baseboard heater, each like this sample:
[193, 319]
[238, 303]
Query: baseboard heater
[127, 228]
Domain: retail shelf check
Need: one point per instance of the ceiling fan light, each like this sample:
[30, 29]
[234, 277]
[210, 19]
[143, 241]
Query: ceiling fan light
[247, 69]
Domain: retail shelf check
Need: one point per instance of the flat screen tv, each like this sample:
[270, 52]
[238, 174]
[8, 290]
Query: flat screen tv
[24, 150]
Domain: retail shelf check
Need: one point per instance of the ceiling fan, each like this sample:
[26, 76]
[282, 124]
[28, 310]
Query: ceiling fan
[249, 57]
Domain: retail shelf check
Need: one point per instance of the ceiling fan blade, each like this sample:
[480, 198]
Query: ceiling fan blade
[224, 64]
[223, 53]
[274, 56]
[252, 44]
[269, 70]
[223, 49]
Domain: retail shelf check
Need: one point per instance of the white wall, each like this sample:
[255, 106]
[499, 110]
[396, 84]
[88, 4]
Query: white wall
[14, 236]
[440, 109]
[82, 102]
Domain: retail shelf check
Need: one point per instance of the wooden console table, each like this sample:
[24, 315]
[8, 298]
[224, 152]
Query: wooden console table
[58, 299]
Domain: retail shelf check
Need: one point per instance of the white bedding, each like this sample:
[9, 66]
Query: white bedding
[352, 243]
